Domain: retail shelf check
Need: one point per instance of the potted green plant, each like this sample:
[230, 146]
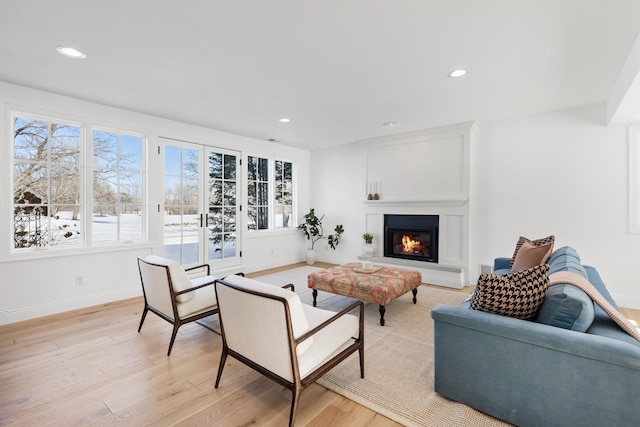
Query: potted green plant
[368, 248]
[313, 230]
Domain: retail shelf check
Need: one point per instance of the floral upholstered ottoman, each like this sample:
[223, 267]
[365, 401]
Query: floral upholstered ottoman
[380, 285]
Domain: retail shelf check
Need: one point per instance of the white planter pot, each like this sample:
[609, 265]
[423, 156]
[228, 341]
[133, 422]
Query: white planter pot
[368, 249]
[310, 257]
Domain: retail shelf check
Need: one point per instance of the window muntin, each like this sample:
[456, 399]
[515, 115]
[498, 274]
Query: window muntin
[283, 206]
[117, 187]
[46, 183]
[257, 193]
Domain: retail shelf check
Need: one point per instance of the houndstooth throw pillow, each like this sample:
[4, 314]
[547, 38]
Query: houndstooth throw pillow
[518, 294]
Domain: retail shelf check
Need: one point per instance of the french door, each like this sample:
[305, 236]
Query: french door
[201, 204]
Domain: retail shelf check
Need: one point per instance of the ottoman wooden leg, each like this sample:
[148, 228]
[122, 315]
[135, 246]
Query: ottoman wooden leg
[415, 292]
[381, 310]
[315, 294]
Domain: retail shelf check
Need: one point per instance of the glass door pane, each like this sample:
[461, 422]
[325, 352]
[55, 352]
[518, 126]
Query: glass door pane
[182, 219]
[222, 209]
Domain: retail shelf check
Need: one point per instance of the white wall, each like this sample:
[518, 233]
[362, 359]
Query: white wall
[561, 173]
[33, 287]
[337, 191]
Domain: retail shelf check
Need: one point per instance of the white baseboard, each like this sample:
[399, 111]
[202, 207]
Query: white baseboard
[26, 313]
[627, 301]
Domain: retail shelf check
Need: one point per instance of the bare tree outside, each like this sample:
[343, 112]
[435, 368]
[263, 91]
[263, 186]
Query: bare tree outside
[46, 187]
[47, 184]
[258, 193]
[117, 186]
[283, 207]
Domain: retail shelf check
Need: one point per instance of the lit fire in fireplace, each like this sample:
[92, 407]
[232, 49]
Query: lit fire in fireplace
[411, 246]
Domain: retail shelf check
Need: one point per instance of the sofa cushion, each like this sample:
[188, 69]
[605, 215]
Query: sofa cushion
[329, 341]
[530, 255]
[566, 259]
[567, 307]
[538, 242]
[204, 299]
[518, 294]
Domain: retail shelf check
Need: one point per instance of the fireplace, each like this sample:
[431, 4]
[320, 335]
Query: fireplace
[412, 237]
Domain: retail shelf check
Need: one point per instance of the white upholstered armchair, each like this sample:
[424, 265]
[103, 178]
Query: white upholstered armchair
[171, 294]
[269, 329]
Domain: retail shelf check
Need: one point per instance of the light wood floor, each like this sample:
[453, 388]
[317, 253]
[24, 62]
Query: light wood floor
[92, 367]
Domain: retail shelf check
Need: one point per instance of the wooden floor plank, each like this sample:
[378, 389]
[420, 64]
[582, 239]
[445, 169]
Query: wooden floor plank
[92, 367]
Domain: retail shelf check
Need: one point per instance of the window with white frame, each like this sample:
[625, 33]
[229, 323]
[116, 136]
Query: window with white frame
[47, 208]
[117, 187]
[283, 200]
[269, 194]
[55, 166]
[257, 193]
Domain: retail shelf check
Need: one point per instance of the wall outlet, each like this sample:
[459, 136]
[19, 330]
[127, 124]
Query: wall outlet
[79, 281]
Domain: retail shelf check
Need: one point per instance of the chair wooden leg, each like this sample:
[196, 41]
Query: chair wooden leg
[173, 336]
[223, 359]
[361, 355]
[294, 404]
[144, 315]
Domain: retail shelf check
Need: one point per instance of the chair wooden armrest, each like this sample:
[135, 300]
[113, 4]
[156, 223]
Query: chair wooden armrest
[289, 286]
[357, 304]
[196, 287]
[213, 279]
[207, 266]
[237, 274]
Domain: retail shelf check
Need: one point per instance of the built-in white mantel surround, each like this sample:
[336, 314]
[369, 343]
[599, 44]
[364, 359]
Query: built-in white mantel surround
[424, 173]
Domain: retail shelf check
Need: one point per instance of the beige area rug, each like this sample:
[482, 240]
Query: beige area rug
[398, 379]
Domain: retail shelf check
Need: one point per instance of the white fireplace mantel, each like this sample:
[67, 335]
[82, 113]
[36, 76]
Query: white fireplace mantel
[424, 173]
[455, 200]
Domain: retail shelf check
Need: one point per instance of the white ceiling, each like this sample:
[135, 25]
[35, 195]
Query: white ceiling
[338, 68]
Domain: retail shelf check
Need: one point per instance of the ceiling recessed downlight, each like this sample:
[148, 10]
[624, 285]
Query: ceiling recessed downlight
[284, 120]
[71, 52]
[457, 73]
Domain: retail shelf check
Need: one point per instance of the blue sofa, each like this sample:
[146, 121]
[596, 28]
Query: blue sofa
[546, 372]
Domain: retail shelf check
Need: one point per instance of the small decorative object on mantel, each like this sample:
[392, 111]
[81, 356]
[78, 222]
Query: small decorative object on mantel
[373, 191]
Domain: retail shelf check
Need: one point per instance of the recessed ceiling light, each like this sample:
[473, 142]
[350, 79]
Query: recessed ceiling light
[284, 120]
[457, 73]
[389, 124]
[71, 52]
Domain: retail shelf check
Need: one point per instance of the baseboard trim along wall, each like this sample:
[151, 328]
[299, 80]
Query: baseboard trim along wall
[26, 313]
